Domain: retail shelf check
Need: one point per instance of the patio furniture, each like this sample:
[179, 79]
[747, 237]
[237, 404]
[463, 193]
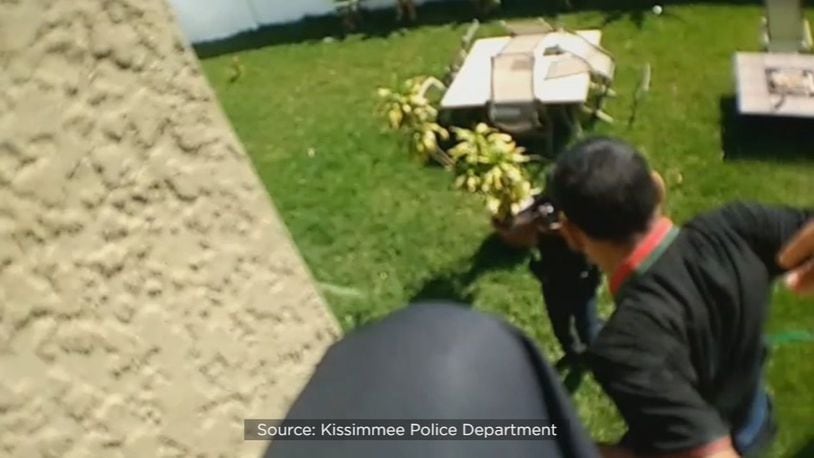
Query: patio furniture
[642, 89]
[512, 106]
[775, 84]
[586, 56]
[599, 61]
[462, 52]
[535, 27]
[524, 79]
[785, 29]
[472, 87]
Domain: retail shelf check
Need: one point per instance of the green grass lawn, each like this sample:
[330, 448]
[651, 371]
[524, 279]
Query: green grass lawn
[379, 231]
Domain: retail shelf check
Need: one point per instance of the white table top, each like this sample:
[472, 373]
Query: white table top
[472, 86]
[753, 87]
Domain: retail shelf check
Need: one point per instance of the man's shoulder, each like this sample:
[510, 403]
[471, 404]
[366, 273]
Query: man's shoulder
[738, 213]
[719, 217]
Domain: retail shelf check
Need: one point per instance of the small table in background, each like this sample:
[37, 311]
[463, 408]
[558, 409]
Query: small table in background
[755, 94]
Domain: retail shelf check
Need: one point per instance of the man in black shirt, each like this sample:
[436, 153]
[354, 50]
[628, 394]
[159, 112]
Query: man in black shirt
[682, 355]
[569, 285]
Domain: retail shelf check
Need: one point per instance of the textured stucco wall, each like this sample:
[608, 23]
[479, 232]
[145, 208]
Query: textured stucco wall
[150, 298]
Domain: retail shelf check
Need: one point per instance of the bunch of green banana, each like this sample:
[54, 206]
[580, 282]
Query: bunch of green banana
[490, 163]
[425, 140]
[411, 111]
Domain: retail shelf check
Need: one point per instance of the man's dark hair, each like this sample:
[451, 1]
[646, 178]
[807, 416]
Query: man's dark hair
[606, 188]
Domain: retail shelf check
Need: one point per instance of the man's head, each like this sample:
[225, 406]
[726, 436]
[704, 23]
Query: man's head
[607, 192]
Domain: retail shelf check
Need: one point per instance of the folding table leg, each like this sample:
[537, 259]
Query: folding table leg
[549, 132]
[576, 125]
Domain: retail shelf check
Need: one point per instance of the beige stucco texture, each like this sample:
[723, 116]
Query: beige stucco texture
[150, 297]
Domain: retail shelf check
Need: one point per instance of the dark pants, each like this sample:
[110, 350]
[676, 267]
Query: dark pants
[569, 285]
[573, 313]
[570, 300]
[759, 430]
[430, 362]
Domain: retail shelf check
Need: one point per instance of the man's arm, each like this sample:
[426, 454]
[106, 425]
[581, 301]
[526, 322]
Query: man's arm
[644, 370]
[765, 228]
[799, 255]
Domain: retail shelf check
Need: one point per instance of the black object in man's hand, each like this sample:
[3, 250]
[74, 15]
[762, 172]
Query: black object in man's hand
[547, 216]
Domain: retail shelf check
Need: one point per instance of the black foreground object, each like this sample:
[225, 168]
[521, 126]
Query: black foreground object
[434, 362]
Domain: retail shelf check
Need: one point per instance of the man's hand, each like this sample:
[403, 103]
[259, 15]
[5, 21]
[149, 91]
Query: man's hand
[550, 229]
[798, 256]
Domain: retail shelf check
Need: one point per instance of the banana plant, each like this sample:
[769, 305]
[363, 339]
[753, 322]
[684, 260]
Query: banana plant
[411, 110]
[489, 163]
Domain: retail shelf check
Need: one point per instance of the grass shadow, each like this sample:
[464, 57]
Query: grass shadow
[636, 16]
[766, 138]
[445, 287]
[806, 451]
[573, 380]
[456, 286]
[637, 13]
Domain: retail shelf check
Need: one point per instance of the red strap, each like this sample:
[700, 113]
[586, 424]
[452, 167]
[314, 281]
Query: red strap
[643, 250]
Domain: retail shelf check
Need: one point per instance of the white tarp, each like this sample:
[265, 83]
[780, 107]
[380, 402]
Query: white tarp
[206, 20]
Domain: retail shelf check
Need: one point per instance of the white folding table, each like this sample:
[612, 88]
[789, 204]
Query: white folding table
[472, 86]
